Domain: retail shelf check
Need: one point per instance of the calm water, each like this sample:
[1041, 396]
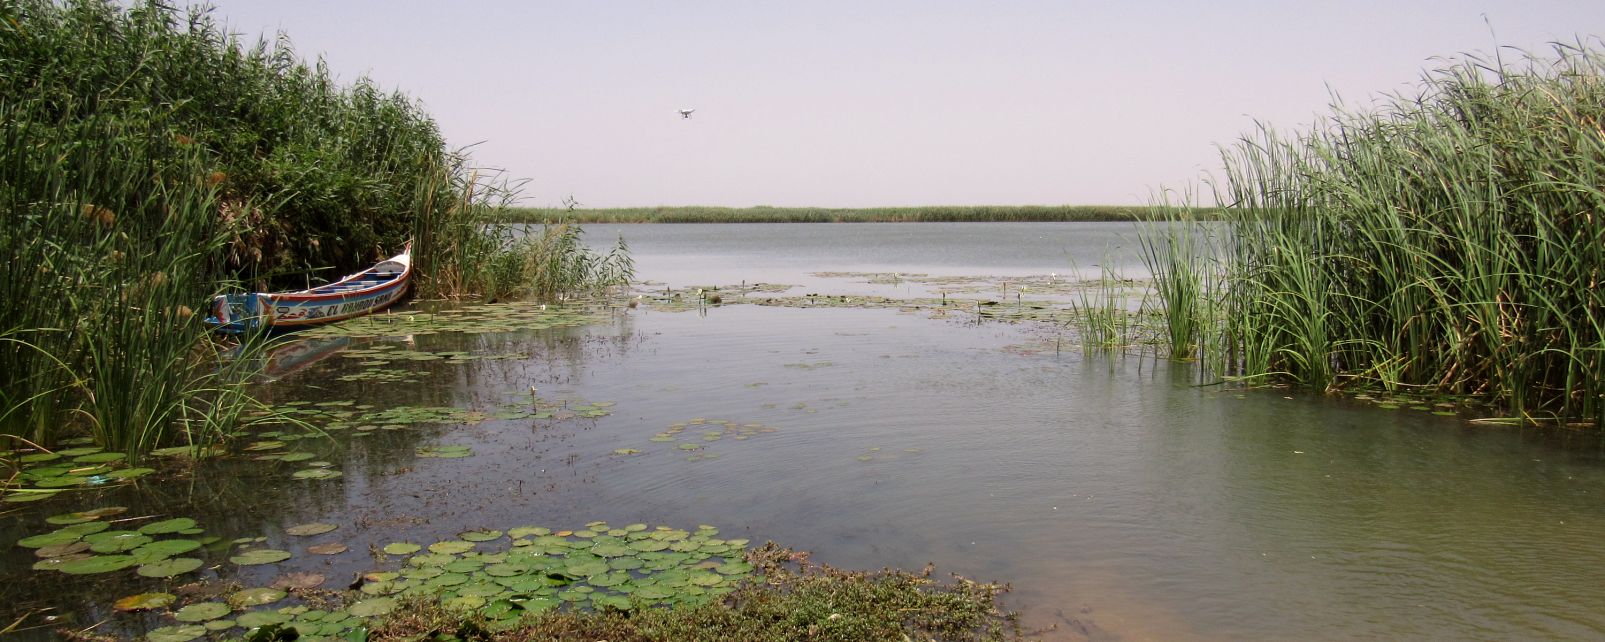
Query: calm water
[1119, 499]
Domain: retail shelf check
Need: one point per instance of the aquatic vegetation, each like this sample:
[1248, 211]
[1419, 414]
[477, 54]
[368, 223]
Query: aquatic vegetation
[471, 319]
[797, 600]
[152, 160]
[707, 432]
[1445, 241]
[534, 569]
[36, 475]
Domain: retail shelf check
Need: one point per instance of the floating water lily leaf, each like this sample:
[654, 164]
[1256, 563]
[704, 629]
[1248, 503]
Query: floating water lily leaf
[618, 602]
[19, 496]
[176, 633]
[451, 547]
[464, 566]
[611, 549]
[168, 526]
[480, 536]
[463, 602]
[370, 608]
[261, 618]
[316, 473]
[54, 563]
[129, 473]
[652, 592]
[55, 538]
[449, 579]
[328, 549]
[144, 601]
[255, 597]
[401, 548]
[220, 625]
[649, 545]
[202, 611]
[260, 556]
[626, 451]
[97, 564]
[526, 531]
[169, 567]
[61, 482]
[98, 458]
[306, 530]
[116, 541]
[586, 568]
[166, 548]
[69, 518]
[61, 550]
[38, 457]
[297, 456]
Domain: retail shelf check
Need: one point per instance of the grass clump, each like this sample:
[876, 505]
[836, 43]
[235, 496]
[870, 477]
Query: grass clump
[1450, 241]
[796, 600]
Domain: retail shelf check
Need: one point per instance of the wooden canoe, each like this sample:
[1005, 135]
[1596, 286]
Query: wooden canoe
[362, 293]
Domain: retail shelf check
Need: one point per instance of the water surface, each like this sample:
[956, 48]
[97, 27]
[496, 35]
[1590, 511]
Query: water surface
[1121, 499]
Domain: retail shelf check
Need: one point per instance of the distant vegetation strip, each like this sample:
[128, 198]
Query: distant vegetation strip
[924, 214]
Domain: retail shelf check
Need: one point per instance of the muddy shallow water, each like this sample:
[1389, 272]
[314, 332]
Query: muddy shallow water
[1119, 498]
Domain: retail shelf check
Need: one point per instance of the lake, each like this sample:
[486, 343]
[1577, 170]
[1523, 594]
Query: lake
[1118, 496]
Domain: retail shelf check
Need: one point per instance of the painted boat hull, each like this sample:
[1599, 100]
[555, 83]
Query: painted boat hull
[365, 292]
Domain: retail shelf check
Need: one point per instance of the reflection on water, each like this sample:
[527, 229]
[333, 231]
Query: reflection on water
[1119, 499]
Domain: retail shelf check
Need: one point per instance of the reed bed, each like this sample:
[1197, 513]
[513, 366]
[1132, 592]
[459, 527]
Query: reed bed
[111, 239]
[1448, 242]
[926, 214]
[149, 160]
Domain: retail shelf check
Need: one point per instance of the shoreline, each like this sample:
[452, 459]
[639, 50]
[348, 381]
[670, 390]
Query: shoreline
[924, 214]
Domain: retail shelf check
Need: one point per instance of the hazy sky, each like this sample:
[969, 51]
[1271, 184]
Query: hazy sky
[866, 103]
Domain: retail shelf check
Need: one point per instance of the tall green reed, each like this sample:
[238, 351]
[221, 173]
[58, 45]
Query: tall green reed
[111, 237]
[1450, 241]
[1102, 314]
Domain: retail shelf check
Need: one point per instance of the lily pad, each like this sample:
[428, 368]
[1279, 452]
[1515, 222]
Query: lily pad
[144, 601]
[166, 548]
[97, 564]
[609, 549]
[255, 619]
[260, 556]
[255, 597]
[170, 567]
[176, 633]
[116, 541]
[370, 608]
[69, 518]
[202, 611]
[168, 526]
[129, 473]
[316, 473]
[451, 547]
[98, 458]
[401, 548]
[306, 530]
[60, 550]
[55, 538]
[480, 536]
[328, 549]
